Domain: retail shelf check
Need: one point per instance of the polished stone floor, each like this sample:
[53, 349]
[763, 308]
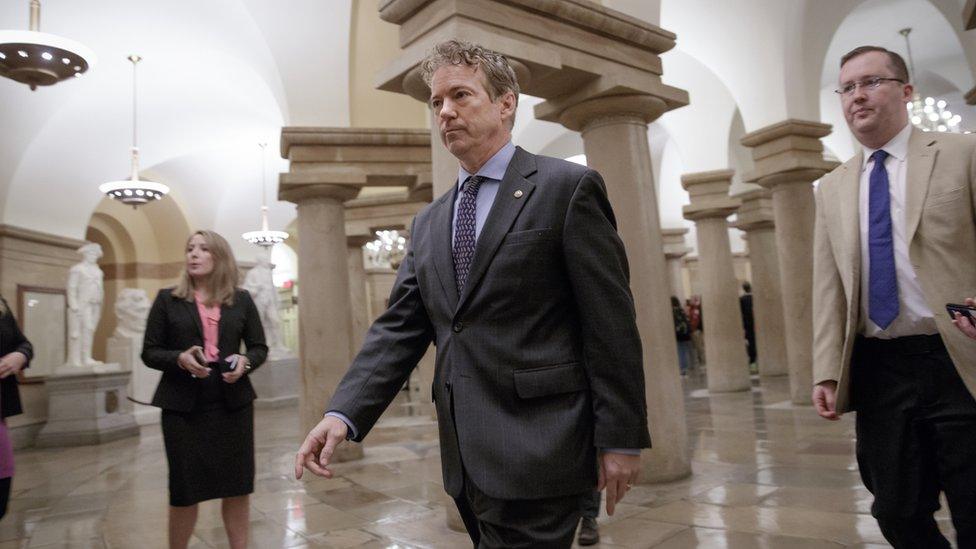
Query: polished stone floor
[766, 475]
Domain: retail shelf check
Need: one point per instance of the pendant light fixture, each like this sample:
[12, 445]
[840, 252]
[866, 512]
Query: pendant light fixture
[134, 191]
[40, 59]
[265, 237]
[931, 114]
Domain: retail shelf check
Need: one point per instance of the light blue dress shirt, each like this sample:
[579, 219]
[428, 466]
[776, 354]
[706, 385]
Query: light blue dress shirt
[494, 171]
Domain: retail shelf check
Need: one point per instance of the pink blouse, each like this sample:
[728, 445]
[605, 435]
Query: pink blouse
[6, 452]
[210, 319]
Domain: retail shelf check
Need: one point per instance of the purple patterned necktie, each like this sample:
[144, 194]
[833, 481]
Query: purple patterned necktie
[464, 229]
[882, 277]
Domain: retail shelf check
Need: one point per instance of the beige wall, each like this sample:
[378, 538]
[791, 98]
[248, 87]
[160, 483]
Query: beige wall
[373, 45]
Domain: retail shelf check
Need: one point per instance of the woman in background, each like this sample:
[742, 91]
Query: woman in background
[15, 355]
[193, 335]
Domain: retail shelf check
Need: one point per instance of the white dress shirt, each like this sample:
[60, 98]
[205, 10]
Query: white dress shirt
[914, 316]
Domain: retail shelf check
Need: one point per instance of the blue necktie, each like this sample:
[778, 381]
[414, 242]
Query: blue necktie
[882, 280]
[465, 237]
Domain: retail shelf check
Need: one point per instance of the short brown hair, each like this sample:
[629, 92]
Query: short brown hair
[499, 74]
[895, 62]
[222, 283]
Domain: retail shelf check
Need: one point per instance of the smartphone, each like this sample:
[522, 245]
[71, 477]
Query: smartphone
[964, 310]
[229, 364]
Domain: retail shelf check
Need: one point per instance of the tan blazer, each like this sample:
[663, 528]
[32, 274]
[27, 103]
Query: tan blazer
[941, 231]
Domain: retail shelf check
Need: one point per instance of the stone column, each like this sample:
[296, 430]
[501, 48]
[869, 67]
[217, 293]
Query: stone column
[755, 217]
[788, 159]
[674, 251]
[614, 131]
[359, 317]
[323, 297]
[725, 352]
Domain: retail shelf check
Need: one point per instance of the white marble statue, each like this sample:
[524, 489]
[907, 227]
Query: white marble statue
[259, 283]
[85, 295]
[131, 309]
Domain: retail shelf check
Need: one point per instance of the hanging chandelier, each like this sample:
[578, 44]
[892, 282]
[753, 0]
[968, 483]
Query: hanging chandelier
[387, 250]
[40, 59]
[929, 114]
[134, 191]
[265, 238]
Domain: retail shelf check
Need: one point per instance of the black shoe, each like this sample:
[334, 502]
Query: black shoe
[589, 533]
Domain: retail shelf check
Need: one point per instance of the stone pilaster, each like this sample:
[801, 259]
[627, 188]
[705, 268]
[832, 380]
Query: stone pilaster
[674, 252]
[755, 217]
[788, 159]
[725, 352]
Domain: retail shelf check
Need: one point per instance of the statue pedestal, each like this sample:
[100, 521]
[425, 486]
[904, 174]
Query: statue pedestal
[126, 351]
[276, 382]
[87, 405]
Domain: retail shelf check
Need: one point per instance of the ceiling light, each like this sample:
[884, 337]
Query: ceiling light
[24, 54]
[134, 191]
[264, 237]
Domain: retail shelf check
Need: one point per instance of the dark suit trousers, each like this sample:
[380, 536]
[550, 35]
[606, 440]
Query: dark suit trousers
[548, 523]
[916, 436]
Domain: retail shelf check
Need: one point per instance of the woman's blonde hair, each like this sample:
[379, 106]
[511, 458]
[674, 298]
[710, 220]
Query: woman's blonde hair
[222, 282]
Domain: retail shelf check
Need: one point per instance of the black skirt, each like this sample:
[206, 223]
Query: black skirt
[210, 453]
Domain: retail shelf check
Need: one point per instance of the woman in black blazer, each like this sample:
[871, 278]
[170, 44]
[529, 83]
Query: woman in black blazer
[15, 355]
[193, 335]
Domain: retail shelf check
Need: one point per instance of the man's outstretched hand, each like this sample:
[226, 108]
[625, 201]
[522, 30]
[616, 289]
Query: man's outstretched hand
[316, 452]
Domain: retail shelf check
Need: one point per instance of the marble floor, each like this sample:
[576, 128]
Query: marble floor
[766, 475]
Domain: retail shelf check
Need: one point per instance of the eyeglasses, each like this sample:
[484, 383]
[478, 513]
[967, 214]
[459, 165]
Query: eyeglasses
[870, 83]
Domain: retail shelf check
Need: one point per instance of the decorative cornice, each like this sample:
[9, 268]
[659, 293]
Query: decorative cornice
[348, 137]
[38, 237]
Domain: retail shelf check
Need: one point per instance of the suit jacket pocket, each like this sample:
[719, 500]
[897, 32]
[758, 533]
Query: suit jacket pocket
[550, 380]
[528, 237]
[946, 197]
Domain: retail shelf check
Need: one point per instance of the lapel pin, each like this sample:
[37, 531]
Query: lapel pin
[519, 193]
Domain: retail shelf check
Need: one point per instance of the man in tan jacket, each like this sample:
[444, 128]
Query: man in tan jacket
[895, 241]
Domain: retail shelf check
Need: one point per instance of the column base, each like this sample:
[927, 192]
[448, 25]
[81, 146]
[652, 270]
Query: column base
[87, 405]
[276, 382]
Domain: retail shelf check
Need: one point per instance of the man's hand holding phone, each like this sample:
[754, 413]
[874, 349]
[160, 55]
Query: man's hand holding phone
[193, 362]
[964, 316]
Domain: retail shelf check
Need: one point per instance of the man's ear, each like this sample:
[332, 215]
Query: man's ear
[509, 102]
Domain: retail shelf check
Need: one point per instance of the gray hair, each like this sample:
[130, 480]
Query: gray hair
[499, 74]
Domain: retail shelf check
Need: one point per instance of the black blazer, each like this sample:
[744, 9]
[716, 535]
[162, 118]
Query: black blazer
[11, 339]
[174, 326]
[538, 360]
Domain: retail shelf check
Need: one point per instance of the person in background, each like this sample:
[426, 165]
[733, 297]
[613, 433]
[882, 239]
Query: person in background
[193, 335]
[695, 321]
[748, 322]
[15, 355]
[682, 332]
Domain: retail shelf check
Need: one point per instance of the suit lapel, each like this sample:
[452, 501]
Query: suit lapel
[849, 197]
[442, 220]
[921, 158]
[503, 213]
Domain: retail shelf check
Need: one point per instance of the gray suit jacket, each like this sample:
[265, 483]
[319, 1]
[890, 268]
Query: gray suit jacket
[538, 359]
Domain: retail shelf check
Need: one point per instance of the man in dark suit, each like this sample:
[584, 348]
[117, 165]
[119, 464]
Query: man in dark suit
[519, 278]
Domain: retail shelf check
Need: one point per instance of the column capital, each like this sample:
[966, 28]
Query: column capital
[788, 152]
[300, 193]
[674, 243]
[358, 240]
[756, 211]
[591, 112]
[709, 194]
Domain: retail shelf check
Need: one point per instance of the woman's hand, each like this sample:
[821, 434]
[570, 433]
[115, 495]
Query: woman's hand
[965, 324]
[11, 363]
[190, 360]
[238, 372]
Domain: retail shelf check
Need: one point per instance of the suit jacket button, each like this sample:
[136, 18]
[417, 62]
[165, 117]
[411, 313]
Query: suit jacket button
[458, 327]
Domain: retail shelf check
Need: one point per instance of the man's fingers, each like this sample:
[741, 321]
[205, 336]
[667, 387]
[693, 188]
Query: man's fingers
[611, 497]
[300, 463]
[601, 479]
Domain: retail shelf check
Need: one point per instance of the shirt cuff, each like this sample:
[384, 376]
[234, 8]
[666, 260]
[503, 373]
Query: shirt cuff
[353, 432]
[625, 451]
